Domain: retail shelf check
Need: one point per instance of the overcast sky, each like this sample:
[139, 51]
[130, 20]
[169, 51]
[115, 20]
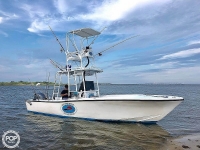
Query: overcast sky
[167, 49]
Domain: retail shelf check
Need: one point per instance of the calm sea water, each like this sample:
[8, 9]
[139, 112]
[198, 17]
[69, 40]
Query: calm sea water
[44, 132]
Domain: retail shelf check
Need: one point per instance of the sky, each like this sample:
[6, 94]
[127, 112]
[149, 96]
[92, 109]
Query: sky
[166, 50]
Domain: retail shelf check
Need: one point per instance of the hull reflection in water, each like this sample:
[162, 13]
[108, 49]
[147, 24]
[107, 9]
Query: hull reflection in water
[56, 133]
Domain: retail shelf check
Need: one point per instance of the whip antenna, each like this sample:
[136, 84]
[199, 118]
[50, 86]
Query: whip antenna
[97, 36]
[57, 65]
[100, 53]
[62, 49]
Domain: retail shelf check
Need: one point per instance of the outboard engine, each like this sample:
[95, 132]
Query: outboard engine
[39, 96]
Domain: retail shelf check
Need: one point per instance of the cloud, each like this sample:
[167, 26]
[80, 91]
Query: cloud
[4, 68]
[153, 67]
[182, 54]
[168, 30]
[4, 33]
[37, 26]
[96, 13]
[34, 10]
[24, 69]
[112, 10]
[185, 75]
[61, 5]
[7, 16]
[1, 20]
[39, 17]
[38, 64]
[194, 42]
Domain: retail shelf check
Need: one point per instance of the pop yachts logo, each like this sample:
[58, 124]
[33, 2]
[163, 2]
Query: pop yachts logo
[69, 108]
[10, 139]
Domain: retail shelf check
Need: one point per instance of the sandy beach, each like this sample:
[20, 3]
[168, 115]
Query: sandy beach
[191, 142]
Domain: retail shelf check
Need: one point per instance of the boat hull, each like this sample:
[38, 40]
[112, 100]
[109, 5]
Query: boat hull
[106, 109]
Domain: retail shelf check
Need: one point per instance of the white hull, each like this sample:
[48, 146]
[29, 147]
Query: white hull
[133, 108]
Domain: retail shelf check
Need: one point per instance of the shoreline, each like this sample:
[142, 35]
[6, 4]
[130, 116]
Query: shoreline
[190, 142]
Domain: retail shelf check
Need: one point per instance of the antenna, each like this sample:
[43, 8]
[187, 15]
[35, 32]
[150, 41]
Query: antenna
[62, 49]
[100, 53]
[47, 86]
[96, 37]
[57, 65]
[32, 86]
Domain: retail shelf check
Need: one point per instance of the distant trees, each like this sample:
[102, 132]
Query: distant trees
[14, 83]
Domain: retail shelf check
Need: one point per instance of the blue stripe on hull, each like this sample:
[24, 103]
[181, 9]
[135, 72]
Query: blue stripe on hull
[92, 119]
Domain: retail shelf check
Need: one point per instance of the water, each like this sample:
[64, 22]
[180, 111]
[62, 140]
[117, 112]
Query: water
[44, 132]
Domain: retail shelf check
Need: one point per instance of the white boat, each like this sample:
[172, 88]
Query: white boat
[85, 100]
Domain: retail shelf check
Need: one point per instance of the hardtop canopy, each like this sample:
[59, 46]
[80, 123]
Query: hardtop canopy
[85, 32]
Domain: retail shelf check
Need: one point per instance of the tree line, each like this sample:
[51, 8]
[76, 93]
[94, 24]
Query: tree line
[24, 83]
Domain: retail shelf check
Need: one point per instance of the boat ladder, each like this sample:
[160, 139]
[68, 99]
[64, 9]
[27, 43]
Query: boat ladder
[56, 88]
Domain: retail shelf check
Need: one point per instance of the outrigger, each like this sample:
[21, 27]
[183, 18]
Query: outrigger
[85, 100]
